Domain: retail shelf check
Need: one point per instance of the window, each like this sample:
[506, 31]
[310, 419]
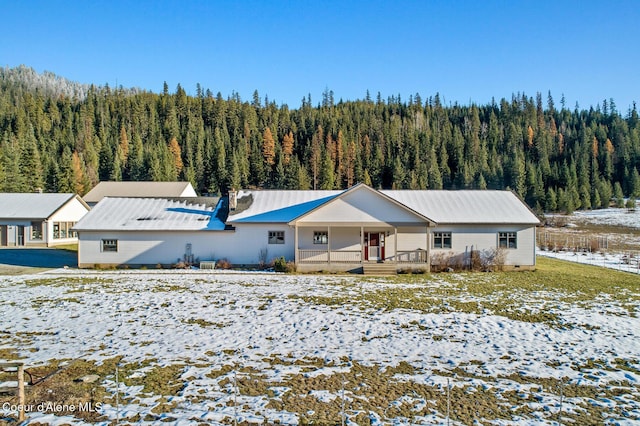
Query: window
[276, 237]
[110, 245]
[36, 230]
[320, 237]
[507, 240]
[63, 230]
[442, 240]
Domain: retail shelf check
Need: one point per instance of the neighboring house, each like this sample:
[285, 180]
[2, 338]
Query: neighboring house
[139, 189]
[148, 231]
[348, 230]
[39, 220]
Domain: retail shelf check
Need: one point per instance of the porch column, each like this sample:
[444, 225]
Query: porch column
[428, 253]
[329, 244]
[395, 243]
[362, 244]
[295, 242]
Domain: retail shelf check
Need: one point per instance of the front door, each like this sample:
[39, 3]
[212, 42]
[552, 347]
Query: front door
[20, 236]
[4, 235]
[375, 246]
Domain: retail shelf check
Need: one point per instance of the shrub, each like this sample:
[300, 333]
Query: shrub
[280, 264]
[223, 264]
[262, 257]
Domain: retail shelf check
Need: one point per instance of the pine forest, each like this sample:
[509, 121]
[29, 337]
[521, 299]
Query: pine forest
[59, 136]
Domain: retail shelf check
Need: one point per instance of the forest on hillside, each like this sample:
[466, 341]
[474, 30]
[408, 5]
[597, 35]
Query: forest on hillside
[60, 136]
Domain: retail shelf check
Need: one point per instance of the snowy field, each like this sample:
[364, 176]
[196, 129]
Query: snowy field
[619, 261]
[618, 226]
[256, 348]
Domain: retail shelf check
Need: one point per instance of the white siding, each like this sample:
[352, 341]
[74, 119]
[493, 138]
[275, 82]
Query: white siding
[144, 248]
[72, 211]
[412, 238]
[362, 206]
[340, 238]
[245, 244]
[464, 239]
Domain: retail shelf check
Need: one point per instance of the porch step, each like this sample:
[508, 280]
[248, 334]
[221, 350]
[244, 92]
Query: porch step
[379, 268]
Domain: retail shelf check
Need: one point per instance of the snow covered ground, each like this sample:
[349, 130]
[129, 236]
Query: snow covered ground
[615, 225]
[618, 261]
[291, 333]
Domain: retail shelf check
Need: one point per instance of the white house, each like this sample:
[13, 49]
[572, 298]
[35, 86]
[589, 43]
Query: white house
[351, 230]
[39, 220]
[148, 231]
[139, 189]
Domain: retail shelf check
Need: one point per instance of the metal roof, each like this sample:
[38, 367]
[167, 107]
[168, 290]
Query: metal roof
[139, 189]
[466, 206]
[31, 205]
[151, 214]
[277, 206]
[443, 207]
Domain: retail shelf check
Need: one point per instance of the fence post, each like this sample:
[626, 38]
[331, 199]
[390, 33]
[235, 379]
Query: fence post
[448, 401]
[21, 399]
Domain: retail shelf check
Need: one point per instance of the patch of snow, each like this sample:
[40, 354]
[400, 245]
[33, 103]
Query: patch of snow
[248, 317]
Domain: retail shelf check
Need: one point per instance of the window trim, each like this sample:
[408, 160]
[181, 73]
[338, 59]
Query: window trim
[508, 240]
[275, 237]
[37, 230]
[439, 238]
[109, 245]
[321, 237]
[63, 230]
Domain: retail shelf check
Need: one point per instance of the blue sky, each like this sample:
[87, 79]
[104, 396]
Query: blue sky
[467, 51]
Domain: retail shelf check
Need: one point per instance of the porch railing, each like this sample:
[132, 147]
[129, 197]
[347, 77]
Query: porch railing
[411, 256]
[323, 256]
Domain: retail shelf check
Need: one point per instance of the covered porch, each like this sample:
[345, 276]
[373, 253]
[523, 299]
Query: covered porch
[361, 227]
[345, 248]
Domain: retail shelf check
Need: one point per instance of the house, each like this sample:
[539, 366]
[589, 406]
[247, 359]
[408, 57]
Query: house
[349, 230]
[139, 189]
[148, 231]
[39, 220]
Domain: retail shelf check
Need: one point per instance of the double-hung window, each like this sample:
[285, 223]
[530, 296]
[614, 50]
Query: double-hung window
[441, 240]
[320, 237]
[110, 245]
[276, 237]
[36, 230]
[508, 240]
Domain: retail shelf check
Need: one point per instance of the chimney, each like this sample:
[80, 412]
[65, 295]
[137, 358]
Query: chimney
[233, 199]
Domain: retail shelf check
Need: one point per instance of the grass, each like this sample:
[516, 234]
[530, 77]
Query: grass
[58, 382]
[68, 247]
[389, 391]
[554, 283]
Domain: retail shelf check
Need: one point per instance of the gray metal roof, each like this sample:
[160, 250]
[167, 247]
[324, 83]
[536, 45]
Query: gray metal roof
[466, 206]
[443, 207]
[31, 205]
[139, 189]
[146, 214]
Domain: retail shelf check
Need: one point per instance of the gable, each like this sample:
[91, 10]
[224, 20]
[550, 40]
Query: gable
[32, 205]
[139, 189]
[362, 205]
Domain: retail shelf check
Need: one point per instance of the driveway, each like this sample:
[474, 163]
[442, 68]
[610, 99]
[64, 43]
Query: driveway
[39, 257]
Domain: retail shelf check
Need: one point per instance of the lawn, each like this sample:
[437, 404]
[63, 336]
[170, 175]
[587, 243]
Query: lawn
[558, 344]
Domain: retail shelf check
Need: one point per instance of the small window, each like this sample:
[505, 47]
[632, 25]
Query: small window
[276, 237]
[507, 240]
[442, 240]
[320, 237]
[110, 245]
[36, 230]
